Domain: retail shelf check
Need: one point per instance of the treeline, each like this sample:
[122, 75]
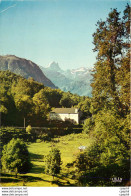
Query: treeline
[108, 129]
[25, 98]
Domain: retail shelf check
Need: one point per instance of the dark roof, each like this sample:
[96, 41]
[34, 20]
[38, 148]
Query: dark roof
[65, 110]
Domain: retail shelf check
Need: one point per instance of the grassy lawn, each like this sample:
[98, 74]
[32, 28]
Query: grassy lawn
[68, 146]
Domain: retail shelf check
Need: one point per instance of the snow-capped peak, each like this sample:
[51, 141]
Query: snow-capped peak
[79, 70]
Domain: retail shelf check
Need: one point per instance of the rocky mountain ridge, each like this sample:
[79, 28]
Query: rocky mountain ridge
[25, 68]
[77, 81]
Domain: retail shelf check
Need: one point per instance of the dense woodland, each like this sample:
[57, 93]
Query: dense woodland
[106, 113]
[21, 98]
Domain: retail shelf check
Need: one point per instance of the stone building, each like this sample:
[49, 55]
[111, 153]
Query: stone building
[63, 114]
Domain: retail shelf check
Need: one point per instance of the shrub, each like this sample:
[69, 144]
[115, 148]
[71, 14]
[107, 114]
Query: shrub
[53, 162]
[15, 157]
[38, 140]
[88, 125]
[108, 153]
[29, 129]
[7, 133]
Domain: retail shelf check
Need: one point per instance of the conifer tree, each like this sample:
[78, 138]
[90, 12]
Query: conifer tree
[53, 162]
[109, 41]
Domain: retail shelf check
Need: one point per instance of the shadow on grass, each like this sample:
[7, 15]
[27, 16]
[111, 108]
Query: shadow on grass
[60, 183]
[60, 180]
[7, 178]
[7, 175]
[63, 184]
[37, 169]
[35, 157]
[31, 178]
[34, 179]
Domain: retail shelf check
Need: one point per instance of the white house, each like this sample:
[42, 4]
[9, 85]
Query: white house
[63, 114]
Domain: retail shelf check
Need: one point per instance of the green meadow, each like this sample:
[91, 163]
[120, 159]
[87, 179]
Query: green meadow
[68, 146]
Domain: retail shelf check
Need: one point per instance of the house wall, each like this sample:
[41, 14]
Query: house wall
[63, 117]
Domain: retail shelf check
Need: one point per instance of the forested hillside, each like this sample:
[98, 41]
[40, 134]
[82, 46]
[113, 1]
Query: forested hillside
[25, 98]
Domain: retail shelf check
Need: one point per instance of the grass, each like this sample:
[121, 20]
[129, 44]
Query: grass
[68, 146]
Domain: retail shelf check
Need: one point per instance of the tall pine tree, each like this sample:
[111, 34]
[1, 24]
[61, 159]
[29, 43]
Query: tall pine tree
[110, 44]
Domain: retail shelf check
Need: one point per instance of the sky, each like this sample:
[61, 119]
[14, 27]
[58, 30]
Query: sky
[53, 30]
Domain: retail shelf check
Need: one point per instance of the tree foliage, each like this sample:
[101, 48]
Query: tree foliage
[41, 105]
[21, 98]
[69, 100]
[84, 105]
[53, 162]
[111, 45]
[107, 156]
[15, 157]
[27, 99]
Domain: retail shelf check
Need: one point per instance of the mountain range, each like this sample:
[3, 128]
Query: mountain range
[25, 68]
[76, 81]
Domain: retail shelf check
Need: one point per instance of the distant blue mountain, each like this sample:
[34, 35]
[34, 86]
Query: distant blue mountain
[76, 81]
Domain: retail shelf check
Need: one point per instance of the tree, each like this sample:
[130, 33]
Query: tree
[24, 105]
[53, 162]
[86, 162]
[20, 87]
[108, 154]
[53, 96]
[35, 86]
[123, 74]
[68, 100]
[41, 105]
[109, 41]
[84, 106]
[3, 101]
[88, 125]
[15, 157]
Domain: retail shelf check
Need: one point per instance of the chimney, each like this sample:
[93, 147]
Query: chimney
[76, 110]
